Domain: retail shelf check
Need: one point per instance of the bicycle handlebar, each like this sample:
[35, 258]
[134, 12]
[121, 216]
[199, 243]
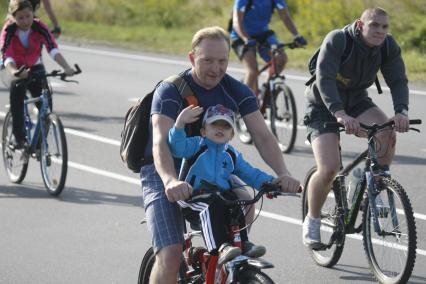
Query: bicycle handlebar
[62, 76]
[55, 73]
[373, 128]
[269, 189]
[290, 45]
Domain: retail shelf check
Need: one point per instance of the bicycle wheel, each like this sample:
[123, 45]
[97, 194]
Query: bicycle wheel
[15, 160]
[332, 227]
[54, 155]
[146, 266]
[243, 133]
[251, 275]
[284, 122]
[391, 256]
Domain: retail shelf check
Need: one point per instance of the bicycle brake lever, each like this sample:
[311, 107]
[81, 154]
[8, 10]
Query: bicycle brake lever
[63, 78]
[414, 129]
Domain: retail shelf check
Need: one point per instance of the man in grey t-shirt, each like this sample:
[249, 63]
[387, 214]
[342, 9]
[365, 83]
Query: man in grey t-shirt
[340, 94]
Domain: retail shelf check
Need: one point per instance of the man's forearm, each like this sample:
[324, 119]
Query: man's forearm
[288, 22]
[164, 163]
[271, 153]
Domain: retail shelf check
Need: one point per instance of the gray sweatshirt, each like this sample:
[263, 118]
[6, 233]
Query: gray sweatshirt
[340, 86]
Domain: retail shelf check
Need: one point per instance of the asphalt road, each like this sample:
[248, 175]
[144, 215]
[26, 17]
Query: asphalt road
[91, 233]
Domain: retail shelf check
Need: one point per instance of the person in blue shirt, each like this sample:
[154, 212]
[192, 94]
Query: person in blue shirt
[212, 161]
[161, 187]
[250, 31]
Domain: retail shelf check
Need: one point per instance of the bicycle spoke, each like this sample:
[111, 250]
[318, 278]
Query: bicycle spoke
[391, 251]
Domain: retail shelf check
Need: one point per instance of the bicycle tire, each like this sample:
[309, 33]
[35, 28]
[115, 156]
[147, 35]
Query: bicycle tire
[328, 257]
[15, 161]
[383, 255]
[54, 155]
[284, 117]
[242, 131]
[251, 275]
[146, 266]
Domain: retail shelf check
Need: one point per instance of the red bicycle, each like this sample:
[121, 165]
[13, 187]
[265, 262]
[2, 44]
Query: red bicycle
[198, 266]
[277, 103]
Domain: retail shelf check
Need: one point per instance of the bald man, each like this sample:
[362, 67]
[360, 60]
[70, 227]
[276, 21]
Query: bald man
[340, 94]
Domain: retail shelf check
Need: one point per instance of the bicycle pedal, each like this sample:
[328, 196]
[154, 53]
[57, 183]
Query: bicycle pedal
[319, 247]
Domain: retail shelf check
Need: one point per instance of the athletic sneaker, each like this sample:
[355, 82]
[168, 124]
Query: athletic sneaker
[252, 250]
[228, 252]
[311, 232]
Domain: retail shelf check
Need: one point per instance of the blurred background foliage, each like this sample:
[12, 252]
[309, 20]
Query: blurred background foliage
[168, 25]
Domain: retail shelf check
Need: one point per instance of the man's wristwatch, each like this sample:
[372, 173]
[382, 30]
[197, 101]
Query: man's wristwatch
[402, 111]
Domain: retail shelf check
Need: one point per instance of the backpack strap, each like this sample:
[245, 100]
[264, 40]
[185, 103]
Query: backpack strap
[233, 156]
[349, 43]
[183, 88]
[384, 54]
[187, 164]
[343, 58]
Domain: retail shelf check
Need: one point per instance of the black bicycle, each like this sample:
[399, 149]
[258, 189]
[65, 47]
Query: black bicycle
[277, 103]
[45, 139]
[388, 226]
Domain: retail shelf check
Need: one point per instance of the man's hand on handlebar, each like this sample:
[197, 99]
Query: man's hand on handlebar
[402, 122]
[178, 190]
[300, 41]
[288, 183]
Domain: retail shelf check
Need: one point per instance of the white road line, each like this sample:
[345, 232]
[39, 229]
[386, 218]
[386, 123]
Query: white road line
[136, 181]
[92, 137]
[186, 64]
[104, 173]
[352, 236]
[117, 143]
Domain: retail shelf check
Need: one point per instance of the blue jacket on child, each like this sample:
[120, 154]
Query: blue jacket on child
[214, 165]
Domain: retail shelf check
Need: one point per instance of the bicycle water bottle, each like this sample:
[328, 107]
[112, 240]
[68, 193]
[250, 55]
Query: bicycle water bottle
[354, 185]
[343, 192]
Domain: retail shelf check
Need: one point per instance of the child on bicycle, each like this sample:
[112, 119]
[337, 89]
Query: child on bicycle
[22, 39]
[212, 161]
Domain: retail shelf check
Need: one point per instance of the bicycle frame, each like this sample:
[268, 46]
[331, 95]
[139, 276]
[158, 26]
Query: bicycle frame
[209, 263]
[39, 131]
[271, 66]
[368, 183]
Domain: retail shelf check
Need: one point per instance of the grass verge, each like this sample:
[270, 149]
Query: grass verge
[178, 41]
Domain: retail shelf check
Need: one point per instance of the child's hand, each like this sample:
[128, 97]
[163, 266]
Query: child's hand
[69, 72]
[21, 73]
[189, 114]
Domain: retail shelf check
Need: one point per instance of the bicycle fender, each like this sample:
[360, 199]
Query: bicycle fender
[259, 263]
[243, 260]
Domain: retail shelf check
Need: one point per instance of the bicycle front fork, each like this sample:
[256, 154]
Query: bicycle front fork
[377, 208]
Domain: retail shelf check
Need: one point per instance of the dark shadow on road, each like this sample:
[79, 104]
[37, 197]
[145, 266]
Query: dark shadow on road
[355, 276]
[69, 194]
[368, 277]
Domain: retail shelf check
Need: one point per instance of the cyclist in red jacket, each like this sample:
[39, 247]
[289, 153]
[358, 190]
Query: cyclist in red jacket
[22, 39]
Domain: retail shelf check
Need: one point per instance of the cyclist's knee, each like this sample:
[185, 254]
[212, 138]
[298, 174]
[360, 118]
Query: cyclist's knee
[169, 258]
[327, 173]
[387, 138]
[251, 74]
[282, 60]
